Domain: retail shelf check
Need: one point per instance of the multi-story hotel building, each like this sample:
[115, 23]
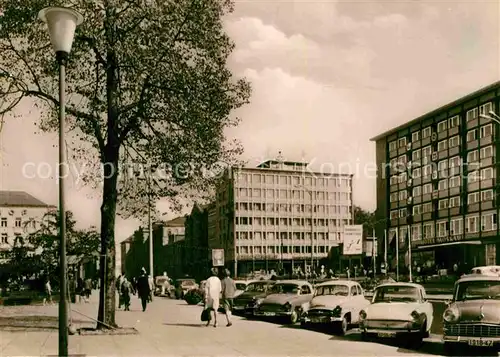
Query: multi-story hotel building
[437, 186]
[20, 214]
[280, 215]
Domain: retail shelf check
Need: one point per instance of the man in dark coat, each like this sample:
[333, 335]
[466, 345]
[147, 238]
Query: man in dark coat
[143, 289]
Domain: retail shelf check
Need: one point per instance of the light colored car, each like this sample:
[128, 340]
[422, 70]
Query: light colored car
[398, 310]
[486, 270]
[473, 315]
[287, 300]
[241, 286]
[336, 303]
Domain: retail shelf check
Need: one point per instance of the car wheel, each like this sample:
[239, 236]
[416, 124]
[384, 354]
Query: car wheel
[417, 339]
[294, 317]
[342, 327]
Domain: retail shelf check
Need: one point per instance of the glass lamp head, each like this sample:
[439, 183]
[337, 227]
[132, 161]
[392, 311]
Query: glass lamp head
[62, 23]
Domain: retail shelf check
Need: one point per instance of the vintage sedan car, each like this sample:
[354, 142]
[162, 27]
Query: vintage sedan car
[397, 310]
[252, 297]
[286, 300]
[486, 270]
[473, 315]
[162, 286]
[336, 303]
[241, 286]
[182, 286]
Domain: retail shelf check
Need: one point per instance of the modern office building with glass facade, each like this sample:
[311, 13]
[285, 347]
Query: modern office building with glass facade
[437, 187]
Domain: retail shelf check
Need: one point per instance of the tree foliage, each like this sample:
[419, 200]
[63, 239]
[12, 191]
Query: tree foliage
[367, 219]
[37, 253]
[148, 83]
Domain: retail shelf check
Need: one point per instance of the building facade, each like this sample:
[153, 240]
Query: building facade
[280, 216]
[436, 185]
[20, 214]
[167, 238]
[197, 262]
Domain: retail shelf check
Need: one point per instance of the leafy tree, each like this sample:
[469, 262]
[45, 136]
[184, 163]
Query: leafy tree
[367, 219]
[38, 253]
[148, 82]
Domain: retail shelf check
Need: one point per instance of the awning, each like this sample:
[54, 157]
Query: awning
[467, 242]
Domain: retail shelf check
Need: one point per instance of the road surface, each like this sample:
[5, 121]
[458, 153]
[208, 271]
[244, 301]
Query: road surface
[173, 328]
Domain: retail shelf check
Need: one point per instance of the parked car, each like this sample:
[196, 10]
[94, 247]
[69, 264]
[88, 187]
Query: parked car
[337, 303]
[486, 270]
[241, 285]
[182, 286]
[162, 286]
[473, 316]
[286, 300]
[252, 297]
[397, 310]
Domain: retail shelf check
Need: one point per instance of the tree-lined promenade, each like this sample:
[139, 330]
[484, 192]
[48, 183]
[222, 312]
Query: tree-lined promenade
[148, 82]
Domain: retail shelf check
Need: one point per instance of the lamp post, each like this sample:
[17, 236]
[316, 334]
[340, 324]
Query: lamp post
[61, 23]
[491, 116]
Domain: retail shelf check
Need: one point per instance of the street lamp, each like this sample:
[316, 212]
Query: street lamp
[62, 23]
[148, 177]
[491, 116]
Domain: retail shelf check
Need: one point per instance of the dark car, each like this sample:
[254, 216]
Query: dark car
[286, 301]
[182, 286]
[254, 294]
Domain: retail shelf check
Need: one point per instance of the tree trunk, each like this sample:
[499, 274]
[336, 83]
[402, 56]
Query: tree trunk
[106, 312]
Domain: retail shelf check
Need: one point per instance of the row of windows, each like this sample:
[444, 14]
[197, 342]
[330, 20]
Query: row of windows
[288, 235]
[485, 174]
[477, 175]
[472, 198]
[4, 238]
[248, 178]
[401, 162]
[284, 250]
[270, 221]
[290, 208]
[442, 126]
[18, 223]
[486, 222]
[293, 194]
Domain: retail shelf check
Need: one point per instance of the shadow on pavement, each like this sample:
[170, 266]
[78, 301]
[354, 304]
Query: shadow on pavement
[185, 325]
[429, 347]
[32, 322]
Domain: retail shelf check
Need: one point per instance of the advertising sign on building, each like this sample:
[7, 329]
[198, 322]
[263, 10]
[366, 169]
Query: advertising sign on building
[218, 257]
[370, 246]
[353, 240]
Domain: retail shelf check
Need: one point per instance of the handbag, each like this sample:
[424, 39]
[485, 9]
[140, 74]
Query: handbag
[205, 315]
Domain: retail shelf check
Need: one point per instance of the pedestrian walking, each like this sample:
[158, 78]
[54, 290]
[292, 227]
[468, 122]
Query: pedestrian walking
[143, 290]
[126, 290]
[228, 291]
[48, 292]
[213, 289]
[80, 290]
[151, 288]
[88, 288]
[119, 281]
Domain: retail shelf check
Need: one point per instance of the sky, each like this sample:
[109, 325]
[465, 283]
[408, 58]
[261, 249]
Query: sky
[326, 75]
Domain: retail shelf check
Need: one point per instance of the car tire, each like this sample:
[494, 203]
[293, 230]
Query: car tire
[342, 327]
[416, 340]
[294, 317]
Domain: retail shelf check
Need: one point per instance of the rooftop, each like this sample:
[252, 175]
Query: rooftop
[176, 222]
[437, 111]
[20, 199]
